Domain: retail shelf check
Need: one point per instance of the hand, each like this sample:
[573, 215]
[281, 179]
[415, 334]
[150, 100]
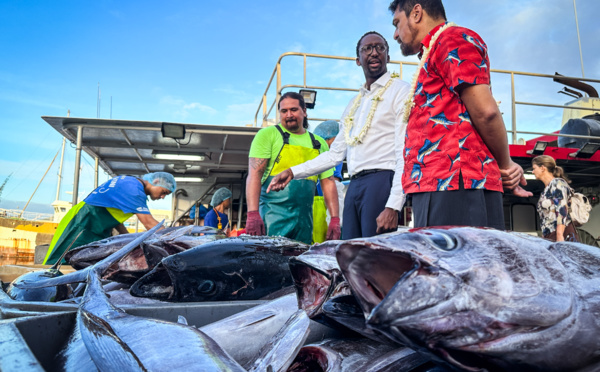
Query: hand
[334, 231]
[280, 181]
[254, 224]
[521, 192]
[387, 221]
[512, 176]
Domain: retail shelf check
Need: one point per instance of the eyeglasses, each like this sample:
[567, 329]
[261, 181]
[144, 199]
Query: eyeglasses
[367, 49]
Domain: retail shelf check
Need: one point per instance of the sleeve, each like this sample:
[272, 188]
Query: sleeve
[337, 171]
[262, 144]
[326, 160]
[463, 59]
[397, 197]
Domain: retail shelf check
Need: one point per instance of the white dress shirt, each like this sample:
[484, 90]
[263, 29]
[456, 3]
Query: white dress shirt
[383, 145]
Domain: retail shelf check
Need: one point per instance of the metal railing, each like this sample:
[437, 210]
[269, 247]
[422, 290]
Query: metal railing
[266, 109]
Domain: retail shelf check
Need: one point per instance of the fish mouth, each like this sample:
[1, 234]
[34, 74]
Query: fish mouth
[372, 276]
[156, 284]
[314, 286]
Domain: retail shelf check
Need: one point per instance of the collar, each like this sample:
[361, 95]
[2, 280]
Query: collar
[427, 39]
[383, 79]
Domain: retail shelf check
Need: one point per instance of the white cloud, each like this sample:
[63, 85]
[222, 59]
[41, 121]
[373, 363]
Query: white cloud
[183, 110]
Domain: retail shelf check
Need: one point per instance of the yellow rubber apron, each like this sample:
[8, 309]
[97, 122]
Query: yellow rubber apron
[288, 212]
[319, 220]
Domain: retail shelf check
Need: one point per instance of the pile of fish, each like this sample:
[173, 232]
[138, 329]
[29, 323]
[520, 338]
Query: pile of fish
[434, 299]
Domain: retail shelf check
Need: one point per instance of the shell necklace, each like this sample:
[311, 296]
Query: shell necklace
[349, 120]
[410, 101]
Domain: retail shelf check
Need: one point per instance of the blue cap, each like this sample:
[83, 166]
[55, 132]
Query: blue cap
[220, 196]
[327, 129]
[162, 179]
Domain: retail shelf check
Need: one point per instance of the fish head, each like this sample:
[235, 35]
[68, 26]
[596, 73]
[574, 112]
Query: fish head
[317, 277]
[45, 294]
[456, 288]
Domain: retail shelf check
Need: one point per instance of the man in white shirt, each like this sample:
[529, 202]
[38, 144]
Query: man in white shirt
[371, 139]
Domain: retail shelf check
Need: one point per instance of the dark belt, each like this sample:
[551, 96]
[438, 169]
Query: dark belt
[367, 171]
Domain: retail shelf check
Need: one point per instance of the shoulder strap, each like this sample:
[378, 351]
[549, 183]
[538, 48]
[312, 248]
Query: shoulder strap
[285, 135]
[315, 142]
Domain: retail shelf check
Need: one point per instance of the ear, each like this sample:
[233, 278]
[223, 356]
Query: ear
[358, 62]
[416, 15]
[388, 58]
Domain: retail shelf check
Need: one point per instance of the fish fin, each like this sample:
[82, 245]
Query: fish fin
[182, 320]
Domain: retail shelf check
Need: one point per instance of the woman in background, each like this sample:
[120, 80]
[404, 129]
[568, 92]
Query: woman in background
[216, 217]
[553, 206]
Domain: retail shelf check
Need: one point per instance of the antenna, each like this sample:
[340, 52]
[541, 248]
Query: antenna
[98, 103]
[578, 39]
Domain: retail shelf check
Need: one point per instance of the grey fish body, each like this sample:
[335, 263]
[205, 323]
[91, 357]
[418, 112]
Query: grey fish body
[253, 328]
[119, 341]
[242, 268]
[481, 298]
[349, 355]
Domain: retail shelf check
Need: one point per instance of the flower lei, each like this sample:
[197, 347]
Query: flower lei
[349, 120]
[410, 101]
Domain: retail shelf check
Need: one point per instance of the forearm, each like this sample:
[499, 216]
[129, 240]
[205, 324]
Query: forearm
[560, 232]
[121, 229]
[148, 221]
[330, 195]
[397, 197]
[323, 162]
[256, 169]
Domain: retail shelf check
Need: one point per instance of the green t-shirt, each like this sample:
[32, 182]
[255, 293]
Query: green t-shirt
[268, 142]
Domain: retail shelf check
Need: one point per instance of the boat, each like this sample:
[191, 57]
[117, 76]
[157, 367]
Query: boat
[215, 156]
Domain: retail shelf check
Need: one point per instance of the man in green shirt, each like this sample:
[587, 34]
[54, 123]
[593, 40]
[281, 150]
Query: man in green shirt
[274, 149]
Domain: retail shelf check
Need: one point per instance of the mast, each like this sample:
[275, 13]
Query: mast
[60, 167]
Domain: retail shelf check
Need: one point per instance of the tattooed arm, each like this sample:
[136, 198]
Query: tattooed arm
[256, 169]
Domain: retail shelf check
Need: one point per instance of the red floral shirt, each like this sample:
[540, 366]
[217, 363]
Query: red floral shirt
[441, 144]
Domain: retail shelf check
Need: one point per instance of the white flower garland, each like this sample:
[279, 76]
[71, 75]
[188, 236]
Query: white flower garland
[349, 120]
[410, 101]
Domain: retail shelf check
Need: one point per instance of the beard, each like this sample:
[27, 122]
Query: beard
[406, 48]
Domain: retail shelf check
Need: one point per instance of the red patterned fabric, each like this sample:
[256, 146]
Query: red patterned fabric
[440, 141]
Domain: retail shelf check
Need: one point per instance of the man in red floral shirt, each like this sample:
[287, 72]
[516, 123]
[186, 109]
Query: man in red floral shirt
[456, 156]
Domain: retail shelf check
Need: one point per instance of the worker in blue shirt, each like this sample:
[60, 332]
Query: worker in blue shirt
[107, 207]
[216, 217]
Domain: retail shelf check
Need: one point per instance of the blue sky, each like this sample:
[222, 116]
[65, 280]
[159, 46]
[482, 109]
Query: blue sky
[208, 63]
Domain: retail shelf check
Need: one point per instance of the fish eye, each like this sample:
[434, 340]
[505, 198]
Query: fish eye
[441, 241]
[206, 287]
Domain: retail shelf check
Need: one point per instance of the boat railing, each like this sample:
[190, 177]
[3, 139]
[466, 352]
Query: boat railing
[275, 78]
[28, 216]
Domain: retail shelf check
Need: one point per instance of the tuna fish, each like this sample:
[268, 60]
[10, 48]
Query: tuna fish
[142, 259]
[480, 298]
[349, 355]
[242, 268]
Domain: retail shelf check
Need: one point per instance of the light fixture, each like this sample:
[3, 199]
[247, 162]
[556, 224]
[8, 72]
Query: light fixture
[529, 176]
[189, 179]
[538, 148]
[175, 131]
[310, 96]
[170, 155]
[587, 151]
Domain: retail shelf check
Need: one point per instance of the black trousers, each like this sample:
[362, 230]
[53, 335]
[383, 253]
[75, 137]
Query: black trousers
[462, 207]
[365, 200]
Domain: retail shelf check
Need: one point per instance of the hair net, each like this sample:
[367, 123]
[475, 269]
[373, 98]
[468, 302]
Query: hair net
[220, 196]
[162, 179]
[327, 129]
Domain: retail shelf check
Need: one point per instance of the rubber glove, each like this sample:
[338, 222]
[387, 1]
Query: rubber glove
[334, 231]
[254, 224]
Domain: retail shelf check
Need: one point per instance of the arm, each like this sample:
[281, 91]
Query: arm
[121, 229]
[330, 194]
[388, 218]
[487, 120]
[148, 221]
[256, 169]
